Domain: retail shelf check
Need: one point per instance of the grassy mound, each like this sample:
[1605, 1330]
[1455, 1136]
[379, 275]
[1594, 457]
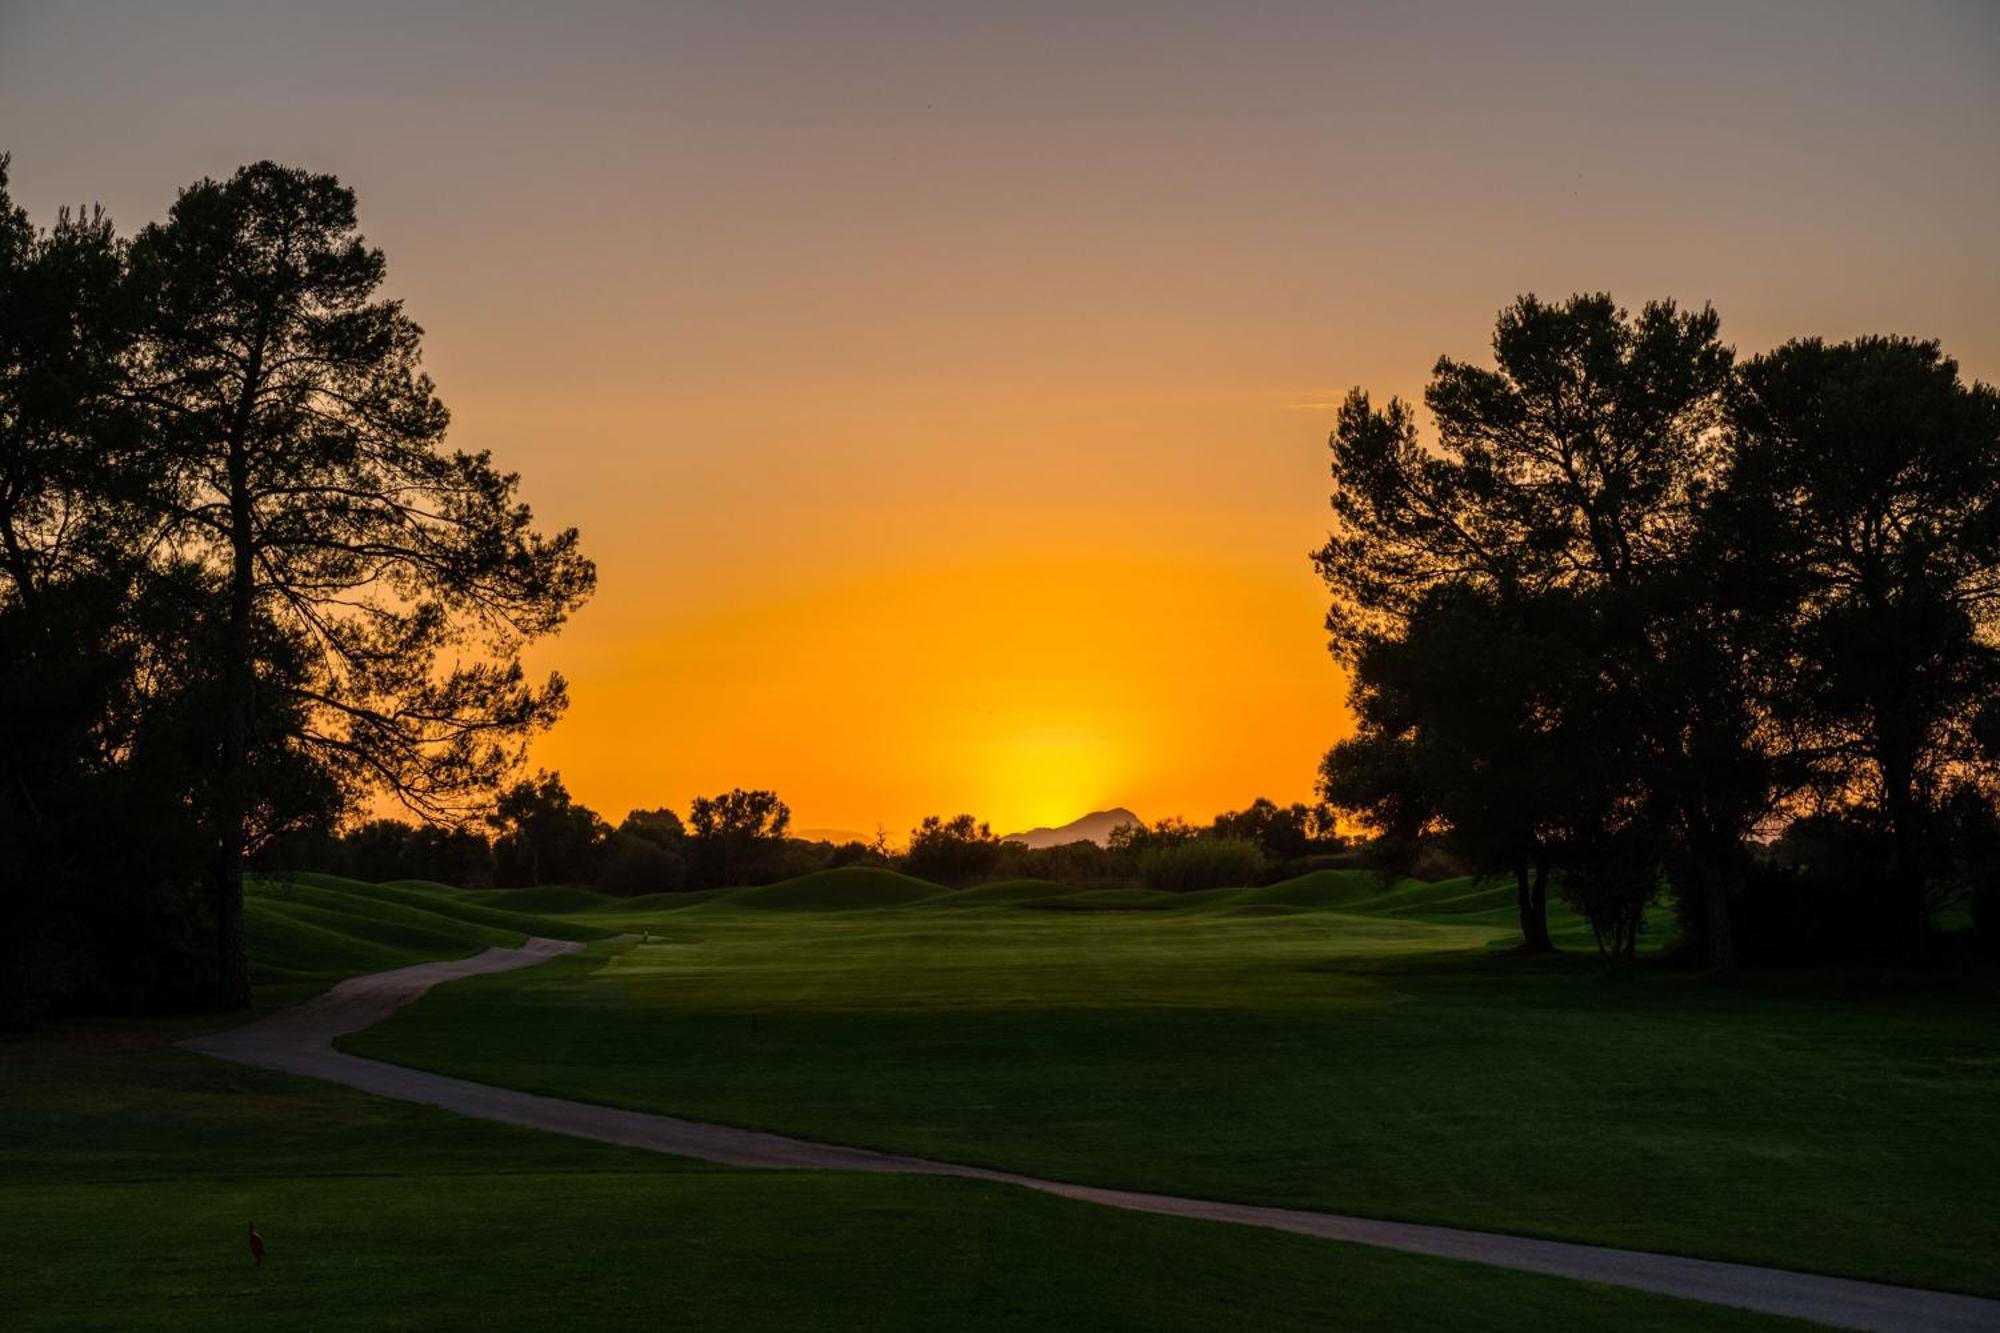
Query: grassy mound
[1318, 888]
[424, 885]
[847, 888]
[307, 930]
[552, 898]
[1366, 893]
[1120, 900]
[1002, 893]
[458, 905]
[295, 942]
[662, 902]
[1445, 897]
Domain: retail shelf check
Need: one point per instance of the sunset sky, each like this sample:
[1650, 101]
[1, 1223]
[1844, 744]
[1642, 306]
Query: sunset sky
[943, 389]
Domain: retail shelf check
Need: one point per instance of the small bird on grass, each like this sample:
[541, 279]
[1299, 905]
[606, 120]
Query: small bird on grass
[256, 1245]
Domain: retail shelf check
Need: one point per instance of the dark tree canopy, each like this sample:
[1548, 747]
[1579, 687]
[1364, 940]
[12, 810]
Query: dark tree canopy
[378, 588]
[951, 851]
[1573, 462]
[223, 475]
[662, 827]
[1483, 727]
[66, 429]
[1639, 605]
[1871, 473]
[1281, 832]
[545, 837]
[733, 835]
[302, 453]
[101, 686]
[646, 853]
[1561, 500]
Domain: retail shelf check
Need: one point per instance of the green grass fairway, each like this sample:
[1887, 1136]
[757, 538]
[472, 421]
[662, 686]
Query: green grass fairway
[306, 931]
[128, 1171]
[1323, 1043]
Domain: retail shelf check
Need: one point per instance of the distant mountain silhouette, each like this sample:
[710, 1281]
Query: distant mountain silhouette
[1094, 827]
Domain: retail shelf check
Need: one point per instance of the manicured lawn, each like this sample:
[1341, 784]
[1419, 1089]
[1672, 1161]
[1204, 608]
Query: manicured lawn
[1249, 1044]
[308, 931]
[1319, 1045]
[128, 1172]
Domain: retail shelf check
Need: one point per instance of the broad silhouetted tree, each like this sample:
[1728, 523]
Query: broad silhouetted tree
[1579, 464]
[647, 853]
[1573, 463]
[66, 426]
[1870, 474]
[1282, 832]
[98, 751]
[297, 451]
[543, 835]
[734, 835]
[1484, 726]
[951, 851]
[662, 827]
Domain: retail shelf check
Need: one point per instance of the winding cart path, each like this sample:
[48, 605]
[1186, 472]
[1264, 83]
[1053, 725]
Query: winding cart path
[300, 1041]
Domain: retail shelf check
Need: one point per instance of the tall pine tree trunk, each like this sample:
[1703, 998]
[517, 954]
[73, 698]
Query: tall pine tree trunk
[1719, 913]
[1539, 906]
[1711, 865]
[1909, 873]
[1532, 902]
[232, 806]
[232, 961]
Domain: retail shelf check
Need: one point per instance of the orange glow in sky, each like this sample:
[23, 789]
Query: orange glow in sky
[1027, 687]
[943, 389]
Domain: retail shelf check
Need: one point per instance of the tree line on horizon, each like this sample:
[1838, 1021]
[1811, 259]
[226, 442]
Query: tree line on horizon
[245, 586]
[538, 834]
[1648, 623]
[1644, 624]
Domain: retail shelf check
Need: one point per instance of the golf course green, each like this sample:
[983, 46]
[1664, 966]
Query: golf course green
[1325, 1043]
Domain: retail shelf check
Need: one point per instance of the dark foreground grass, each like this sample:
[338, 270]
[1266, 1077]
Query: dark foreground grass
[1256, 1046]
[128, 1173]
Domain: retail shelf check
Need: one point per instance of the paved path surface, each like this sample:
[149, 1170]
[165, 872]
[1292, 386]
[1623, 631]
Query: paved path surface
[300, 1041]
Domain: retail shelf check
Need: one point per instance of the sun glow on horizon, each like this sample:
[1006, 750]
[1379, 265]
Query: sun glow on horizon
[1023, 692]
[1048, 775]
